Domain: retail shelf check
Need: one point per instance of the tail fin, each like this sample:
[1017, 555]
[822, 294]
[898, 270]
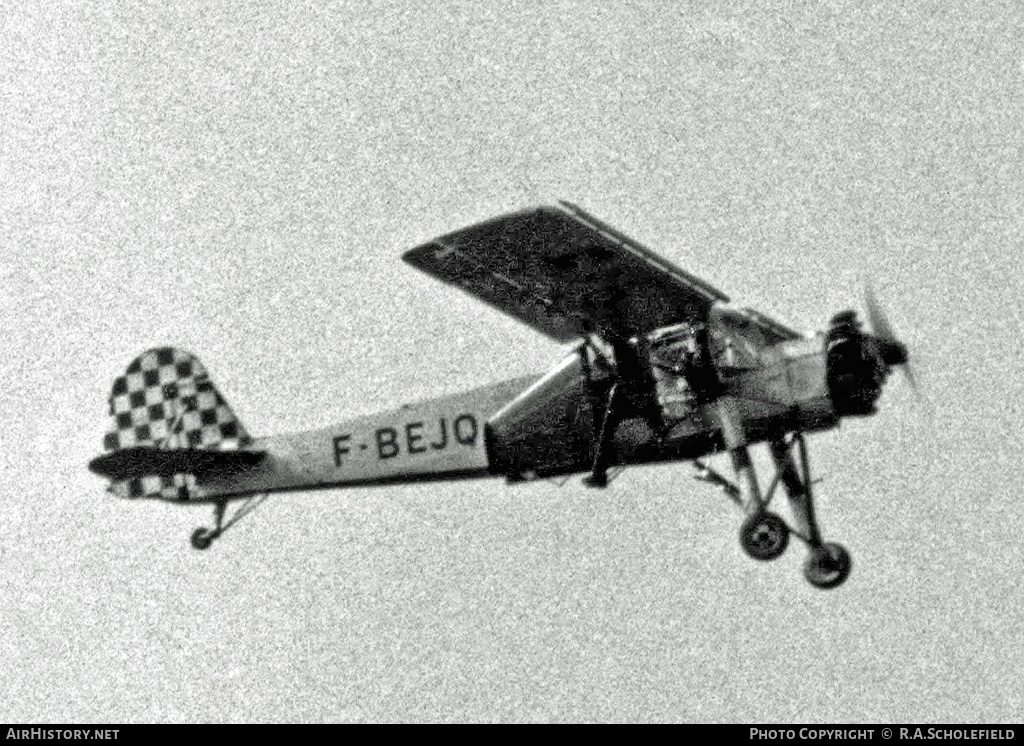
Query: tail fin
[165, 400]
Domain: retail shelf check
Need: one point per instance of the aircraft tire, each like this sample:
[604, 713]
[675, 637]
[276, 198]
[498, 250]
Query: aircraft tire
[202, 538]
[764, 536]
[828, 567]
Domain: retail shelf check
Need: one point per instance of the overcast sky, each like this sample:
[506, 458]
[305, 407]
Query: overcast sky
[240, 179]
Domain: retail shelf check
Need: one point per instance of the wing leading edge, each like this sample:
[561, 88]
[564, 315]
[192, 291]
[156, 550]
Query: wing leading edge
[566, 274]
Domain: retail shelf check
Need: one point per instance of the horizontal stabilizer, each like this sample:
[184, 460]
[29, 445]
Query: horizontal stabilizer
[142, 461]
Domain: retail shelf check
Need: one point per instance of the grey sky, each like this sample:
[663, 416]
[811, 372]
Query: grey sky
[239, 179]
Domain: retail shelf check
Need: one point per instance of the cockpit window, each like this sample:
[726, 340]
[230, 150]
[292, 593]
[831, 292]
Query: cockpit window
[736, 341]
[673, 348]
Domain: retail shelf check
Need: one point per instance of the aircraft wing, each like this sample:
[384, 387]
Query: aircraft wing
[566, 274]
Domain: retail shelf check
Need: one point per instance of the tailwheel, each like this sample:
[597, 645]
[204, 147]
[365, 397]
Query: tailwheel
[202, 538]
[764, 536]
[828, 566]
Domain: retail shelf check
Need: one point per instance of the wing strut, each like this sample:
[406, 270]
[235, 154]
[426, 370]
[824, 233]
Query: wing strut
[631, 394]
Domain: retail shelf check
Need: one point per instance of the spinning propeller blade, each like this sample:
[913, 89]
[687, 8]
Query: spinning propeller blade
[893, 351]
[879, 323]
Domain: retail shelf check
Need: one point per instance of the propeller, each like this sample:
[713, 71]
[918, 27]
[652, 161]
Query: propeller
[893, 351]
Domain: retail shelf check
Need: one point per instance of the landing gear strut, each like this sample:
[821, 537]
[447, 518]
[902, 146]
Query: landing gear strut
[829, 564]
[764, 535]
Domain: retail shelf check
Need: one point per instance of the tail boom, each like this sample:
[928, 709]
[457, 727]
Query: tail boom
[439, 439]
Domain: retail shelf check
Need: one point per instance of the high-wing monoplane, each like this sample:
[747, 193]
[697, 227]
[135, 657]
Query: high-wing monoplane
[662, 367]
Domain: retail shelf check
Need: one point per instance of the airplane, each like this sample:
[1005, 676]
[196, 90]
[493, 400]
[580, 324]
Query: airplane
[661, 367]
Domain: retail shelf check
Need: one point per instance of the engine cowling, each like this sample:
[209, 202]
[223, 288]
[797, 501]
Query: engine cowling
[857, 365]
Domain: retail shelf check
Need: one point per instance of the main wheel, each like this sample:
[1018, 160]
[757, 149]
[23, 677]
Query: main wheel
[828, 567]
[202, 538]
[764, 536]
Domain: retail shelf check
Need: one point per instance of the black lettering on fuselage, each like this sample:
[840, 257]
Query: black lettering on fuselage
[340, 449]
[443, 443]
[387, 442]
[465, 429]
[413, 436]
[418, 439]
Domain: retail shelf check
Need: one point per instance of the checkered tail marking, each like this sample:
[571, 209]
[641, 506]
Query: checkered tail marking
[165, 399]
